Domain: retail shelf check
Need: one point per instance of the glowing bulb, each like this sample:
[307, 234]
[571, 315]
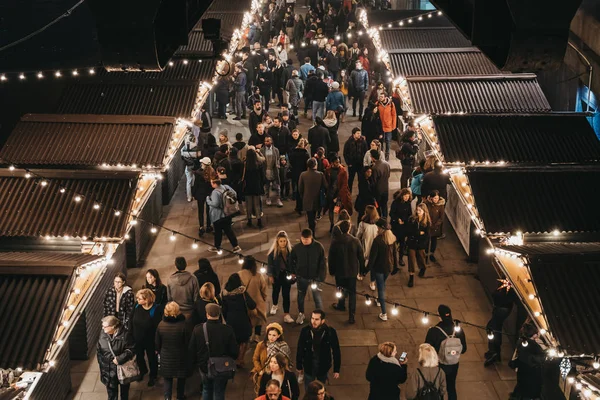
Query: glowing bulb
[172, 237]
[240, 260]
[40, 75]
[313, 286]
[44, 183]
[77, 199]
[456, 326]
[531, 296]
[552, 352]
[96, 206]
[117, 213]
[65, 323]
[57, 74]
[570, 379]
[51, 363]
[219, 251]
[420, 18]
[11, 168]
[556, 232]
[22, 76]
[171, 63]
[194, 245]
[91, 71]
[185, 62]
[596, 364]
[77, 291]
[425, 318]
[133, 222]
[126, 236]
[410, 21]
[537, 314]
[153, 230]
[524, 343]
[47, 237]
[439, 13]
[477, 231]
[543, 331]
[289, 277]
[337, 37]
[62, 190]
[368, 301]
[263, 270]
[395, 310]
[60, 342]
[3, 78]
[72, 307]
[587, 392]
[490, 335]
[27, 175]
[578, 385]
[338, 294]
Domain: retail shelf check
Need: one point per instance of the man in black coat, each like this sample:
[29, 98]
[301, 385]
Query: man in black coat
[346, 259]
[264, 81]
[437, 334]
[309, 89]
[503, 300]
[409, 147]
[354, 152]
[318, 136]
[281, 136]
[529, 364]
[316, 345]
[436, 180]
[221, 343]
[332, 60]
[256, 117]
[319, 95]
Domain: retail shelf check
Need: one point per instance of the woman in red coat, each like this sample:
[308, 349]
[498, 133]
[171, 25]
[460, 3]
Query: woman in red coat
[338, 192]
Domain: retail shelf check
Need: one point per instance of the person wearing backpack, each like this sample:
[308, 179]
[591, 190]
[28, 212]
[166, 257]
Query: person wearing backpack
[428, 380]
[449, 341]
[222, 202]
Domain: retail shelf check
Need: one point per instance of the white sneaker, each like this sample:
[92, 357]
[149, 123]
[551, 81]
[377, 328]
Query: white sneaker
[359, 277]
[273, 309]
[279, 203]
[213, 249]
[268, 201]
[383, 317]
[237, 249]
[377, 303]
[372, 286]
[300, 319]
[288, 319]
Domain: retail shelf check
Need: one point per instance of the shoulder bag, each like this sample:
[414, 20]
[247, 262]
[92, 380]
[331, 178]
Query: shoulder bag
[128, 371]
[219, 367]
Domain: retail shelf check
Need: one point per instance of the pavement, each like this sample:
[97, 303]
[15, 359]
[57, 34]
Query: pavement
[451, 281]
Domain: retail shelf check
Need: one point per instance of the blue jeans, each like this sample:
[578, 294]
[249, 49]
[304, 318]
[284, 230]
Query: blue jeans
[387, 143]
[380, 282]
[303, 285]
[318, 109]
[213, 389]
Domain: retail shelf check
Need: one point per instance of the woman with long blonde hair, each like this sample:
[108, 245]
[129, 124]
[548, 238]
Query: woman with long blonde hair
[278, 267]
[418, 238]
[367, 232]
[427, 371]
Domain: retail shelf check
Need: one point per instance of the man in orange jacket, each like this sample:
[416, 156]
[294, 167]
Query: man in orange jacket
[389, 119]
[272, 392]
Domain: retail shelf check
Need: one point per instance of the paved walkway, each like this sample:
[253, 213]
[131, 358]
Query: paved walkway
[451, 281]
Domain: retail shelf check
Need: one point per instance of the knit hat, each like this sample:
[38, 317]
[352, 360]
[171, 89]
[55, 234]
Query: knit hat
[381, 223]
[445, 312]
[205, 161]
[213, 310]
[335, 85]
[275, 325]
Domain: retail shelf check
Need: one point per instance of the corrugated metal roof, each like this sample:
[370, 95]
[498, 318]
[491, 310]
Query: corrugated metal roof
[422, 38]
[29, 209]
[555, 248]
[198, 46]
[45, 258]
[88, 140]
[444, 63]
[30, 308]
[383, 17]
[534, 201]
[230, 6]
[194, 70]
[567, 287]
[539, 139]
[175, 99]
[477, 94]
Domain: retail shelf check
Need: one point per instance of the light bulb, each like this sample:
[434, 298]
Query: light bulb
[537, 314]
[578, 386]
[22, 76]
[524, 343]
[96, 206]
[531, 296]
[556, 232]
[60, 342]
[395, 310]
[62, 190]
[40, 75]
[57, 74]
[171, 63]
[27, 175]
[65, 323]
[11, 168]
[133, 222]
[570, 379]
[456, 326]
[425, 318]
[194, 245]
[173, 237]
[551, 352]
[92, 72]
[313, 286]
[596, 364]
[185, 62]
[241, 260]
[543, 331]
[153, 229]
[263, 270]
[77, 198]
[72, 307]
[51, 363]
[289, 277]
[490, 335]
[338, 294]
[77, 291]
[44, 183]
[127, 236]
[117, 213]
[219, 251]
[439, 13]
[368, 301]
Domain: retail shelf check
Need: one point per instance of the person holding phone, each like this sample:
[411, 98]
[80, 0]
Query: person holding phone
[385, 372]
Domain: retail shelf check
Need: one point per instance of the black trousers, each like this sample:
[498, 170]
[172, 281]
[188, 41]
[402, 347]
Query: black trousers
[355, 169]
[180, 387]
[312, 221]
[360, 97]
[201, 207]
[267, 95]
[451, 372]
[350, 285]
[113, 393]
[224, 225]
[382, 199]
[284, 285]
[406, 174]
[499, 315]
[150, 351]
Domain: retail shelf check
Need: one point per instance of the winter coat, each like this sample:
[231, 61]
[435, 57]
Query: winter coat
[234, 168]
[253, 182]
[144, 323]
[202, 187]
[299, 30]
[408, 150]
[530, 370]
[359, 81]
[208, 276]
[346, 257]
[435, 180]
[295, 88]
[126, 305]
[253, 120]
[320, 91]
[329, 344]
[416, 183]
[366, 234]
[200, 309]
[436, 212]
[354, 151]
[308, 262]
[298, 158]
[400, 210]
[274, 166]
[304, 70]
[172, 341]
[368, 160]
[415, 383]
[182, 288]
[222, 91]
[416, 240]
[256, 288]
[221, 341]
[122, 347]
[381, 172]
[435, 337]
[240, 82]
[343, 191]
[318, 136]
[263, 353]
[281, 137]
[387, 116]
[236, 306]
[370, 126]
[215, 202]
[381, 256]
[332, 126]
[384, 376]
[160, 293]
[333, 62]
[334, 100]
[366, 193]
[277, 264]
[310, 184]
[289, 388]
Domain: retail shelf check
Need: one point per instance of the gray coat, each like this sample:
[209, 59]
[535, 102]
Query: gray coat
[275, 161]
[183, 289]
[295, 88]
[381, 172]
[309, 186]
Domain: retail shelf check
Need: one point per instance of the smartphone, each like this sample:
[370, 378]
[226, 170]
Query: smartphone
[403, 356]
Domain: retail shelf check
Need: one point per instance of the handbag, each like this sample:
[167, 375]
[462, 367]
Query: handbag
[338, 207]
[128, 371]
[219, 367]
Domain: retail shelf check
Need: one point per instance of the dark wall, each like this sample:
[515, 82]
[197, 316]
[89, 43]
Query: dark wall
[560, 88]
[140, 238]
[172, 177]
[56, 383]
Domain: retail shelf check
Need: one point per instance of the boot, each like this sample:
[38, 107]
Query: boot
[351, 320]
[411, 280]
[422, 272]
[259, 223]
[249, 223]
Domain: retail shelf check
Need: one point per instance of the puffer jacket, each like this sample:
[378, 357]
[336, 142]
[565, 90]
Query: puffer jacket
[416, 240]
[400, 210]
[334, 100]
[122, 346]
[126, 305]
[359, 79]
[436, 212]
[172, 340]
[387, 115]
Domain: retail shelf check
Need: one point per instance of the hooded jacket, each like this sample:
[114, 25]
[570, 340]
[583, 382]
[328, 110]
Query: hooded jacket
[308, 262]
[381, 256]
[436, 212]
[172, 340]
[385, 374]
[318, 136]
[183, 289]
[387, 115]
[366, 234]
[126, 305]
[334, 100]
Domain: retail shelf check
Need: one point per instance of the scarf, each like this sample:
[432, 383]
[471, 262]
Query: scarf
[389, 360]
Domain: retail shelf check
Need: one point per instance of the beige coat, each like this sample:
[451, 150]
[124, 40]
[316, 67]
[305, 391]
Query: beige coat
[256, 287]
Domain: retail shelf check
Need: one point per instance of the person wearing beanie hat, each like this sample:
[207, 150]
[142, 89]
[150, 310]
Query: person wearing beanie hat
[381, 260]
[272, 344]
[335, 99]
[446, 328]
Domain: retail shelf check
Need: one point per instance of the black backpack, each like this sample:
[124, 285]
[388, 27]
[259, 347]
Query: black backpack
[429, 391]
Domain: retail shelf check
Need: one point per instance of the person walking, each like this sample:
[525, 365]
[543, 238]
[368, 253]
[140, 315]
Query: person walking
[281, 135]
[381, 173]
[417, 181]
[381, 260]
[201, 190]
[183, 289]
[190, 153]
[310, 184]
[278, 370]
[279, 274]
[298, 159]
[145, 320]
[503, 300]
[119, 301]
[428, 377]
[221, 222]
[239, 85]
[338, 193]
[205, 273]
[359, 83]
[442, 338]
[318, 136]
[237, 307]
[367, 195]
[367, 232]
[256, 287]
[318, 344]
[319, 95]
[253, 186]
[265, 81]
[417, 240]
[172, 342]
[115, 347]
[271, 171]
[385, 373]
[409, 147]
[272, 345]
[332, 124]
[354, 150]
[529, 363]
[335, 99]
[219, 342]
[346, 260]
[435, 205]
[308, 266]
[154, 283]
[400, 212]
[389, 120]
[295, 88]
